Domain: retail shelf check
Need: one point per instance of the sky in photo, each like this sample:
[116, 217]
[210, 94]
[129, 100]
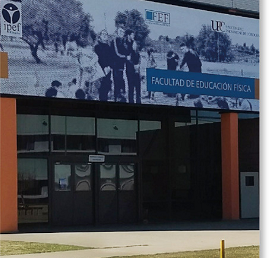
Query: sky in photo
[182, 20]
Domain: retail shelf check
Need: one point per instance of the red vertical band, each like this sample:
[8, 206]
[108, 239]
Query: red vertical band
[8, 166]
[230, 166]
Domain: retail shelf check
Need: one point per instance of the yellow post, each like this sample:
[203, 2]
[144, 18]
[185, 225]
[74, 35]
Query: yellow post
[222, 249]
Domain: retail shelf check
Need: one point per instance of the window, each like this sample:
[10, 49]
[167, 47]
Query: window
[32, 133]
[73, 134]
[249, 180]
[116, 136]
[62, 177]
[32, 190]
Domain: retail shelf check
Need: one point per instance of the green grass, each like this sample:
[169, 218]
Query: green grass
[20, 247]
[236, 252]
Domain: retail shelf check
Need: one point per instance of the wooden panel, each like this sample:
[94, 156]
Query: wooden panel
[257, 89]
[3, 65]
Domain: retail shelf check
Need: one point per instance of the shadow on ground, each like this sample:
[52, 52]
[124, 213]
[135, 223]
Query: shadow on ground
[243, 224]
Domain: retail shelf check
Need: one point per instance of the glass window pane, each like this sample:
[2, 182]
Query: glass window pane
[116, 136]
[208, 117]
[80, 125]
[32, 133]
[247, 116]
[149, 125]
[249, 180]
[62, 177]
[126, 177]
[58, 132]
[83, 177]
[80, 134]
[58, 125]
[107, 177]
[32, 190]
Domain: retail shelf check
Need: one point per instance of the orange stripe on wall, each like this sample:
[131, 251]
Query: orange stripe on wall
[3, 65]
[230, 166]
[8, 166]
[257, 89]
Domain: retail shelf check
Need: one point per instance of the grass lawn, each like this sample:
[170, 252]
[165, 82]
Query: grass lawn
[19, 247]
[236, 252]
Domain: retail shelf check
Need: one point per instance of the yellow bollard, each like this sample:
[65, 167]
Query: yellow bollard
[222, 249]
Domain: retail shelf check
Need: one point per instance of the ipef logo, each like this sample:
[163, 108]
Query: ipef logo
[217, 25]
[157, 17]
[11, 24]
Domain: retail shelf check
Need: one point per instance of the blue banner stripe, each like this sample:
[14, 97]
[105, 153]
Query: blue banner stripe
[169, 81]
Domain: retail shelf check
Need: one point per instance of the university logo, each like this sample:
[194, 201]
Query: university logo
[11, 19]
[11, 13]
[217, 25]
[157, 17]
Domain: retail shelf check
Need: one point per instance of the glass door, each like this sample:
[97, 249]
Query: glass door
[72, 200]
[127, 205]
[117, 199]
[107, 194]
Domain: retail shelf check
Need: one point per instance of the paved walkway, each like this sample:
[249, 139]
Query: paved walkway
[149, 239]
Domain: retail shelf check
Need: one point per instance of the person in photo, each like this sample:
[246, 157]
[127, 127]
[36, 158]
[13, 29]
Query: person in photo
[194, 64]
[133, 67]
[119, 60]
[172, 64]
[191, 58]
[55, 91]
[105, 55]
[151, 63]
[244, 104]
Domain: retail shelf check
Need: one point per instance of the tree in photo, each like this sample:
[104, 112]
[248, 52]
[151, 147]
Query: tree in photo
[214, 46]
[133, 20]
[50, 22]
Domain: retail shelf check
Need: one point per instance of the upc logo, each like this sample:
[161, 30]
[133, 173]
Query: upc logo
[157, 17]
[11, 19]
[217, 25]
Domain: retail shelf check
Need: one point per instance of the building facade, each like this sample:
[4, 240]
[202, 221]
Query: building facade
[130, 114]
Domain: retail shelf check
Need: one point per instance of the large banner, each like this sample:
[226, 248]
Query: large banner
[131, 51]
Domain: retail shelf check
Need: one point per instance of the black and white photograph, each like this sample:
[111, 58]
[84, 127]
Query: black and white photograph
[101, 52]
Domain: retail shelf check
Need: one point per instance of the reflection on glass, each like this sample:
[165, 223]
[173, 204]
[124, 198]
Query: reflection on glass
[205, 117]
[32, 133]
[58, 129]
[76, 134]
[32, 190]
[83, 177]
[62, 175]
[117, 136]
[80, 133]
[107, 177]
[146, 125]
[126, 175]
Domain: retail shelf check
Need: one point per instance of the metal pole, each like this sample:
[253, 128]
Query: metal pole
[222, 249]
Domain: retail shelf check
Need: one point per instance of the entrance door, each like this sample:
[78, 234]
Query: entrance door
[117, 193]
[72, 202]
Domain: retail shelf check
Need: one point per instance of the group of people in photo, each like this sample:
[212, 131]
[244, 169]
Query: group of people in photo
[111, 70]
[102, 66]
[114, 66]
